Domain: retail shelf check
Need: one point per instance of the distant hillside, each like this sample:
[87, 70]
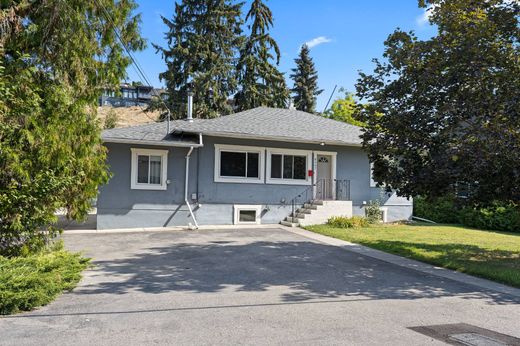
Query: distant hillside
[128, 116]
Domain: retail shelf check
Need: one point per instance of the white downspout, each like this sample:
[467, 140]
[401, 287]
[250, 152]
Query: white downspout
[186, 181]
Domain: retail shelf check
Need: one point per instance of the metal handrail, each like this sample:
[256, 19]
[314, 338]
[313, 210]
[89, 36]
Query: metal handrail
[324, 188]
[294, 200]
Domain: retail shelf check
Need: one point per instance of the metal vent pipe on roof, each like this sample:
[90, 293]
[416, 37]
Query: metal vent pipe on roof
[190, 106]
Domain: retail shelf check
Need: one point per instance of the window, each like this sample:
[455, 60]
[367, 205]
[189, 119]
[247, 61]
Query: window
[288, 166]
[149, 168]
[247, 214]
[239, 164]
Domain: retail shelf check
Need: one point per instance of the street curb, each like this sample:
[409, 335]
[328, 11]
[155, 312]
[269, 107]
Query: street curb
[407, 263]
[167, 229]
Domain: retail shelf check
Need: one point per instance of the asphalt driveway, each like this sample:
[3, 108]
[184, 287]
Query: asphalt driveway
[251, 286]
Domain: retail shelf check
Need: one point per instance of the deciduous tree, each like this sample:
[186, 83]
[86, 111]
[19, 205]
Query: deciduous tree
[450, 104]
[345, 109]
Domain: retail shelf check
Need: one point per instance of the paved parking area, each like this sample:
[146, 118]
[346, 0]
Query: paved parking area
[249, 286]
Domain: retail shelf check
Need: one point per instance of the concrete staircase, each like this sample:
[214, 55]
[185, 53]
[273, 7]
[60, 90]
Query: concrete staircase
[318, 212]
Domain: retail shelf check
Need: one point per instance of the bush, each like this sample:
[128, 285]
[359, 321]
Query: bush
[111, 119]
[373, 212]
[348, 222]
[499, 216]
[36, 280]
[442, 210]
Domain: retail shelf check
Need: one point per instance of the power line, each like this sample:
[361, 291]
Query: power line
[136, 65]
[117, 34]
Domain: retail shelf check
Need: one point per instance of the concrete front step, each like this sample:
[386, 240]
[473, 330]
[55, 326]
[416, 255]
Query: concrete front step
[304, 211]
[310, 206]
[293, 219]
[289, 224]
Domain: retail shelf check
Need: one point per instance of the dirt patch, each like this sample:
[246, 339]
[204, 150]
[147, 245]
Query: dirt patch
[128, 116]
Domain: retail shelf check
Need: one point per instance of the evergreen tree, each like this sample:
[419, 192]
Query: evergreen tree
[55, 58]
[203, 41]
[260, 81]
[305, 80]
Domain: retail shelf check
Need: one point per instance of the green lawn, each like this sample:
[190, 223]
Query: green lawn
[491, 255]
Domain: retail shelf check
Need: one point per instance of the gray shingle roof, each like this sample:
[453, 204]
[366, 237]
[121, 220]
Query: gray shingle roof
[261, 122]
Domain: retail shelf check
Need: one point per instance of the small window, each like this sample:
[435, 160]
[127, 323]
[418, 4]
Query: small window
[238, 164]
[288, 168]
[149, 169]
[247, 214]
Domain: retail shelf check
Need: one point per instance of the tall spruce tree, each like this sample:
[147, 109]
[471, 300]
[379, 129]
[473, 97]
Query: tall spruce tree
[261, 84]
[305, 79]
[203, 41]
[55, 58]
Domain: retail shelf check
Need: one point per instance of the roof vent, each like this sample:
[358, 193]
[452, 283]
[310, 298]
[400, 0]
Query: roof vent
[291, 104]
[190, 106]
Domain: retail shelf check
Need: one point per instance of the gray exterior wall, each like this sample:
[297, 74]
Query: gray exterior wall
[120, 207]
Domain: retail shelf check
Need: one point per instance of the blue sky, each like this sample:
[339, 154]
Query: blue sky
[347, 34]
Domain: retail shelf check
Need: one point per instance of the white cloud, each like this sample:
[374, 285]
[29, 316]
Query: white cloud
[424, 18]
[317, 41]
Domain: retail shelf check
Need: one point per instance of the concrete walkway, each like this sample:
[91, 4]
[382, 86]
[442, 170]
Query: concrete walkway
[255, 286]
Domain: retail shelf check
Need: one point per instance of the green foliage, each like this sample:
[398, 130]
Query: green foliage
[56, 56]
[441, 209]
[305, 79]
[373, 211]
[35, 280]
[348, 222]
[203, 39]
[111, 119]
[345, 109]
[261, 84]
[450, 104]
[497, 216]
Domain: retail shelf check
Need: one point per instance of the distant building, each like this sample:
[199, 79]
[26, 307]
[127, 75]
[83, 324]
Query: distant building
[130, 95]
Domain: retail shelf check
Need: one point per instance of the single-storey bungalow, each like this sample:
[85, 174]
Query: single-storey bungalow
[260, 166]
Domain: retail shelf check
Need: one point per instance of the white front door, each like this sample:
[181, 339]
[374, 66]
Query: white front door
[324, 182]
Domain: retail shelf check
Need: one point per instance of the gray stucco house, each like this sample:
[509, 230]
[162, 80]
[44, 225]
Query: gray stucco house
[252, 167]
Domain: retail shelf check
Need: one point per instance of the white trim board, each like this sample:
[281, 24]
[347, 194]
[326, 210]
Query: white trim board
[240, 149]
[135, 152]
[244, 207]
[295, 152]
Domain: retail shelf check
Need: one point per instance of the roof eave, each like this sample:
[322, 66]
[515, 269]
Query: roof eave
[157, 143]
[276, 138]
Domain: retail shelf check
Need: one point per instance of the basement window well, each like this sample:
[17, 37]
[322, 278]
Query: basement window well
[247, 214]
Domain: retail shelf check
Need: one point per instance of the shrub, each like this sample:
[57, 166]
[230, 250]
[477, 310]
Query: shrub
[348, 222]
[35, 280]
[111, 119]
[498, 216]
[442, 210]
[373, 212]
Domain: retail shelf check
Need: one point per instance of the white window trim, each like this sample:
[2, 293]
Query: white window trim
[239, 148]
[238, 207]
[372, 181]
[134, 185]
[282, 181]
